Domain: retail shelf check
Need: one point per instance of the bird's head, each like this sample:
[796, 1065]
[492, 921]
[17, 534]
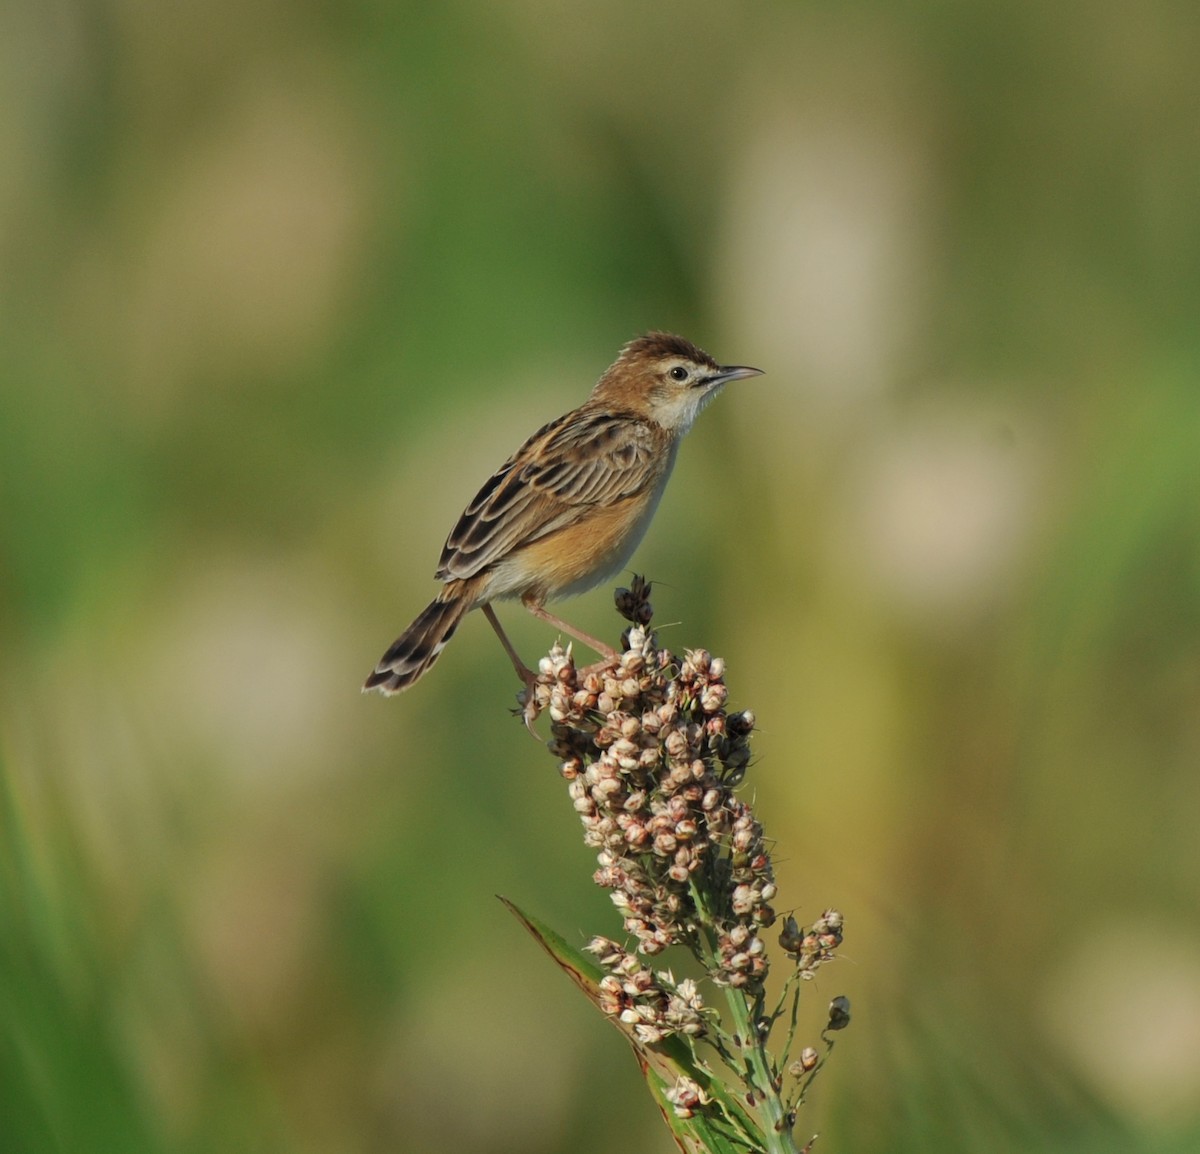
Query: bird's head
[666, 379]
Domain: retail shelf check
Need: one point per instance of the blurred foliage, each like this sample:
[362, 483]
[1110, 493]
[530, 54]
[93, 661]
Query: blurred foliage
[283, 282]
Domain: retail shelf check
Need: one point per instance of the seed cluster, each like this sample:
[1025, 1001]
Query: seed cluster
[687, 1097]
[814, 946]
[651, 758]
[654, 1004]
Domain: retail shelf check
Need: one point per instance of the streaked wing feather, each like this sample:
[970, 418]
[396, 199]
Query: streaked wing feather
[510, 534]
[582, 459]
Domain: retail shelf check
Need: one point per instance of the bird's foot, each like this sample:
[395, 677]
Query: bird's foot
[528, 705]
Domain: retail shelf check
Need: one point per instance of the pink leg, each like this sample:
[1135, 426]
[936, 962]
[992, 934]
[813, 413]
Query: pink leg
[528, 702]
[539, 611]
[523, 672]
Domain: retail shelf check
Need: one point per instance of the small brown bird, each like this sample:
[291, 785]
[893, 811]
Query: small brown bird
[567, 509]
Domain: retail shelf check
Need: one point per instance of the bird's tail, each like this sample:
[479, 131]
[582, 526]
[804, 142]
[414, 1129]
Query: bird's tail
[420, 645]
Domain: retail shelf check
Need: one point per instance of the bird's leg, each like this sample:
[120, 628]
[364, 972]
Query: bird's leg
[528, 699]
[526, 674]
[540, 611]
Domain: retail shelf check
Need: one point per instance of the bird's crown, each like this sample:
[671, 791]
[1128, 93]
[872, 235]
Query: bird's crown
[657, 346]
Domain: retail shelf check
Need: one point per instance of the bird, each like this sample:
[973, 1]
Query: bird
[567, 510]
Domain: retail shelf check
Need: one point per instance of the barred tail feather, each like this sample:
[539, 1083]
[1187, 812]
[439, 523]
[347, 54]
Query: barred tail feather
[419, 646]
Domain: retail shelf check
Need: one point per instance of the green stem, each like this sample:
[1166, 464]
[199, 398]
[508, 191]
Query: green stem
[778, 1133]
[769, 1106]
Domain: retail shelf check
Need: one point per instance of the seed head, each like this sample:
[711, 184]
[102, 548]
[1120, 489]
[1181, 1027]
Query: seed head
[652, 758]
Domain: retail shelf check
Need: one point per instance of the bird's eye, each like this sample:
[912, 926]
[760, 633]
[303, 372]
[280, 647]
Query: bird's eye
[678, 373]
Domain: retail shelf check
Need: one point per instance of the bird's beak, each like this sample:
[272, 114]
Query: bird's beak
[727, 373]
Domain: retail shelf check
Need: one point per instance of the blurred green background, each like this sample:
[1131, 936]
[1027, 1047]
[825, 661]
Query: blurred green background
[283, 282]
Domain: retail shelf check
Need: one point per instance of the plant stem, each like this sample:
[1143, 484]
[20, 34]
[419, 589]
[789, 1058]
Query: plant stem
[770, 1106]
[778, 1133]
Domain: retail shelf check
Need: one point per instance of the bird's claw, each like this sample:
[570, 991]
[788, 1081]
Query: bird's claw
[529, 708]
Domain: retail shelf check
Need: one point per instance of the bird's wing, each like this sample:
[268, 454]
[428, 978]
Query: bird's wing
[583, 459]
